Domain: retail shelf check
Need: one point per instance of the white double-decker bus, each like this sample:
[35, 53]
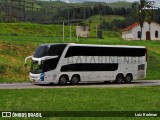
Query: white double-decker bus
[74, 63]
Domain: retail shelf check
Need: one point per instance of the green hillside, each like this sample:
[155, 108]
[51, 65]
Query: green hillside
[19, 40]
[50, 4]
[113, 4]
[120, 4]
[28, 29]
[98, 19]
[61, 4]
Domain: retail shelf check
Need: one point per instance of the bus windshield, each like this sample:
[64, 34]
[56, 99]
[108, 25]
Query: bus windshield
[46, 65]
[35, 68]
[41, 51]
[47, 51]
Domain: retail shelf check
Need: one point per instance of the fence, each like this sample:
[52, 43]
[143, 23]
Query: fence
[20, 10]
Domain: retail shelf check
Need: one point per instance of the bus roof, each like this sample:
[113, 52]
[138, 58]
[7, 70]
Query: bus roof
[94, 45]
[123, 46]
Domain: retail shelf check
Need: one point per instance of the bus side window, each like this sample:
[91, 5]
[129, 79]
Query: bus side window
[50, 64]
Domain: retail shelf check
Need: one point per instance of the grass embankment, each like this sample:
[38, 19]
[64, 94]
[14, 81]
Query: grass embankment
[74, 99]
[28, 29]
[18, 41]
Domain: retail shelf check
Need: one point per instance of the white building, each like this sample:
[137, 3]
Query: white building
[83, 31]
[133, 32]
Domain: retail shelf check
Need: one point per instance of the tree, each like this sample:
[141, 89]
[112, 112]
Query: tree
[139, 13]
[157, 16]
[150, 17]
[142, 15]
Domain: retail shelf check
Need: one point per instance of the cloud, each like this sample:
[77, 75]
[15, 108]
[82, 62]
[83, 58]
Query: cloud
[67, 1]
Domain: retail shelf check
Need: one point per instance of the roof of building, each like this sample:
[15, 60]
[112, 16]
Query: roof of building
[131, 26]
[136, 24]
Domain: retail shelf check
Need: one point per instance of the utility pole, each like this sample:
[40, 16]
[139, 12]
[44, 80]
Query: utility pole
[32, 12]
[70, 32]
[97, 32]
[77, 32]
[10, 11]
[24, 11]
[19, 10]
[68, 16]
[84, 17]
[63, 31]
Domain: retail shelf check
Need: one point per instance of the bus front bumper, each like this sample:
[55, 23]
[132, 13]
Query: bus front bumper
[36, 77]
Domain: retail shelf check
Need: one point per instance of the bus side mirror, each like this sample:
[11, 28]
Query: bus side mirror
[25, 65]
[46, 58]
[39, 61]
[25, 62]
[50, 57]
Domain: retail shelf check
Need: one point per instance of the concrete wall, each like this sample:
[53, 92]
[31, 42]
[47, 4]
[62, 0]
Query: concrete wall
[83, 31]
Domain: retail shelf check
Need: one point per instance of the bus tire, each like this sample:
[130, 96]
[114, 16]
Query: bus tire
[128, 78]
[75, 79]
[119, 78]
[63, 80]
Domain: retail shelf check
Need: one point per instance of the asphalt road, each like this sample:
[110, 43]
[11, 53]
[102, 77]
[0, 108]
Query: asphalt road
[95, 84]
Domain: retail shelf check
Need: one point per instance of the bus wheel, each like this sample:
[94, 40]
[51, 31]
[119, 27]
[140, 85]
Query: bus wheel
[62, 80]
[75, 79]
[119, 78]
[128, 78]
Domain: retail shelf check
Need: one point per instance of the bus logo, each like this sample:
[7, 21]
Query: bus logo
[6, 114]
